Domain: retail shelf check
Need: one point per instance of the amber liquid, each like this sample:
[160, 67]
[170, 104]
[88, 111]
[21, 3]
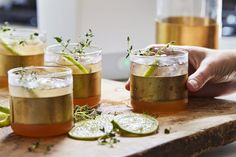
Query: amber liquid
[193, 31]
[10, 61]
[41, 117]
[87, 89]
[164, 95]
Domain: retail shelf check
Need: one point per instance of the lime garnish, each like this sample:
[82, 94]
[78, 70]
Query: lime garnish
[136, 124]
[4, 119]
[4, 109]
[90, 129]
[8, 47]
[151, 69]
[76, 63]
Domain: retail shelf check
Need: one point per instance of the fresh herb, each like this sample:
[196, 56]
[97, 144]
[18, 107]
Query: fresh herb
[81, 45]
[85, 112]
[110, 138]
[79, 49]
[161, 50]
[25, 76]
[130, 47]
[33, 35]
[34, 146]
[49, 148]
[167, 130]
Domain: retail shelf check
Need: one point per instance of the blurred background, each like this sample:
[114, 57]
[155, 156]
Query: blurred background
[111, 21]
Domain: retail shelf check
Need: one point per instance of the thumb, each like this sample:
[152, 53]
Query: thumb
[200, 77]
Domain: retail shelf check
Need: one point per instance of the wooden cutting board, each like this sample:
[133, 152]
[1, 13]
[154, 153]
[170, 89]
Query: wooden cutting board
[205, 125]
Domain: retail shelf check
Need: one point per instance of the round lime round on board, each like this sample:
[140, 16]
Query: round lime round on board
[4, 119]
[136, 124]
[105, 117]
[90, 129]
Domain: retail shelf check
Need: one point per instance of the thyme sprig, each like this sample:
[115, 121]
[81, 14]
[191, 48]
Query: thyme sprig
[32, 36]
[153, 51]
[84, 113]
[110, 138]
[80, 47]
[167, 130]
[72, 54]
[130, 47]
[34, 146]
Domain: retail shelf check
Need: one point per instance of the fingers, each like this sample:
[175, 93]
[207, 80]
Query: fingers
[127, 85]
[199, 78]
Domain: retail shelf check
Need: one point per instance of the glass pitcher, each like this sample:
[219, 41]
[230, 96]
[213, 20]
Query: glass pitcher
[189, 22]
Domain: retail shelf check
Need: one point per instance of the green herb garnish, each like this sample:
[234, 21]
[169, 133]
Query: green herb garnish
[150, 52]
[109, 139]
[130, 47]
[48, 148]
[79, 49]
[34, 146]
[167, 130]
[84, 113]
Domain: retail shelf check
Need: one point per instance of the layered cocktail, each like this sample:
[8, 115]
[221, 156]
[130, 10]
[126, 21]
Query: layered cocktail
[85, 62]
[158, 78]
[40, 100]
[19, 48]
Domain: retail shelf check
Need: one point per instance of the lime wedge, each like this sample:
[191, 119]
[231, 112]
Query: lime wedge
[4, 109]
[136, 124]
[90, 129]
[73, 61]
[151, 69]
[4, 119]
[8, 47]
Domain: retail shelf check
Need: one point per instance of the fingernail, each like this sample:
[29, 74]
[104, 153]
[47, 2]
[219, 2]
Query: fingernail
[193, 83]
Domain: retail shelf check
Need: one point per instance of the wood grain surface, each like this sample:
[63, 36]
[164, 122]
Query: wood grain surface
[206, 124]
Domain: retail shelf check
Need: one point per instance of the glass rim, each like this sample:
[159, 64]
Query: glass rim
[65, 71]
[184, 53]
[97, 51]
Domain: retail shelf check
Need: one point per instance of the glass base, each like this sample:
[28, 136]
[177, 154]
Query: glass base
[90, 101]
[160, 108]
[3, 82]
[41, 130]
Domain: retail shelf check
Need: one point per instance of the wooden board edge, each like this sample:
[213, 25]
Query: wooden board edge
[195, 144]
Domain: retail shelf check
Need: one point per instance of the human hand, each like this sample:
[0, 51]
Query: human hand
[211, 72]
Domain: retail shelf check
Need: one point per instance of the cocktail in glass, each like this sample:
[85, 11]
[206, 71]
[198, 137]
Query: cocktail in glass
[86, 69]
[158, 81]
[20, 48]
[41, 100]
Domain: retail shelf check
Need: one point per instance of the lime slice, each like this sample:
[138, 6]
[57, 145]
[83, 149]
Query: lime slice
[4, 119]
[77, 64]
[8, 47]
[4, 109]
[151, 69]
[136, 124]
[105, 117]
[90, 129]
